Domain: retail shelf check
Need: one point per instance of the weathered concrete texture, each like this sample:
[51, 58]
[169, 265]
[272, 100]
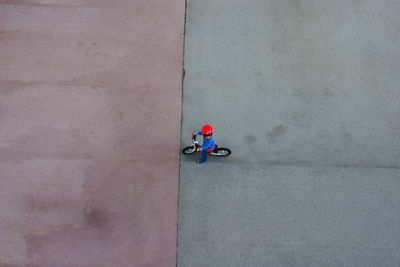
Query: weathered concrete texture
[90, 113]
[315, 82]
[306, 93]
[257, 215]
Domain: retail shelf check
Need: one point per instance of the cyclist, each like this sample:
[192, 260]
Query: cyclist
[208, 142]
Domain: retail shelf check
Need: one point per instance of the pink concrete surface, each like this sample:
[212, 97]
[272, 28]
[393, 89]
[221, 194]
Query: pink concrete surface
[90, 117]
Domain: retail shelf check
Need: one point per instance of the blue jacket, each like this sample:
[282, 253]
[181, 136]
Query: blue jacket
[208, 145]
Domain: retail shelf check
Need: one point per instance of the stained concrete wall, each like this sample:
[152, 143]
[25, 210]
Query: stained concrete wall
[306, 95]
[90, 115]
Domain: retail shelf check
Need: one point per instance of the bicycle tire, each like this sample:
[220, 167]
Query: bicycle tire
[188, 150]
[222, 152]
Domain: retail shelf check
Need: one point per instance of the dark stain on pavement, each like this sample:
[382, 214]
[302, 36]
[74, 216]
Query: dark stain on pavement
[250, 138]
[95, 218]
[276, 132]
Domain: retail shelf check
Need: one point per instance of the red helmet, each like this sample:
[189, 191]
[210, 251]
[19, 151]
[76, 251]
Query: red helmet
[207, 130]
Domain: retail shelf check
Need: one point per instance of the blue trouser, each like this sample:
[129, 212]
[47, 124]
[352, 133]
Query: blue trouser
[203, 156]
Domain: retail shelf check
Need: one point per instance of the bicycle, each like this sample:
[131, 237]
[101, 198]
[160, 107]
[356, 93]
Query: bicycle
[218, 151]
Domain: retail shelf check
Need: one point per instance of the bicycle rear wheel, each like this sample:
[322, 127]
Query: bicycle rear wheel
[222, 152]
[189, 150]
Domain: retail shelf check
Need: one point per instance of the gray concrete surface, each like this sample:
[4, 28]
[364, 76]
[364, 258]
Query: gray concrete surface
[306, 94]
[256, 215]
[90, 116]
[314, 82]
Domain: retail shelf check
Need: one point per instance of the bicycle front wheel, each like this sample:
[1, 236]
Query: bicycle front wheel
[222, 152]
[189, 150]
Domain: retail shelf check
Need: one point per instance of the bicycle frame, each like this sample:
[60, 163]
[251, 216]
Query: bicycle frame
[196, 145]
[218, 151]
